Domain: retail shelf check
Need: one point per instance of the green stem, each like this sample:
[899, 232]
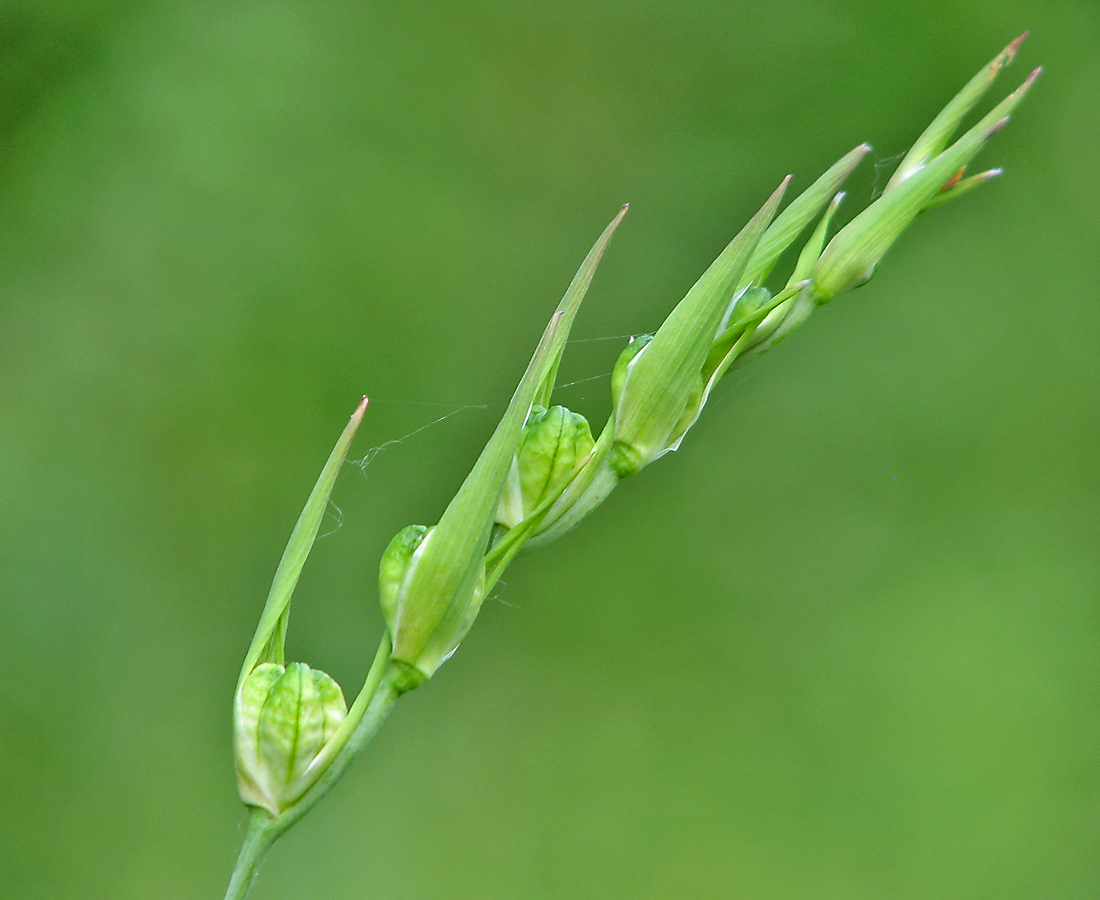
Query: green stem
[257, 841]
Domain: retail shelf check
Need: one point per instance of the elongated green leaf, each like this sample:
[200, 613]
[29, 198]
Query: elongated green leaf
[571, 302]
[267, 643]
[439, 599]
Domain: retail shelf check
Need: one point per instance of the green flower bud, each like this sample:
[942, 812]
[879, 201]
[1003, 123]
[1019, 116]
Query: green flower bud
[925, 177]
[628, 457]
[749, 302]
[283, 718]
[658, 386]
[425, 634]
[392, 566]
[935, 137]
[434, 581]
[554, 444]
[393, 577]
[622, 364]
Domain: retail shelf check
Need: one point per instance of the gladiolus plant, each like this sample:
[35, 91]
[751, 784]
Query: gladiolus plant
[543, 470]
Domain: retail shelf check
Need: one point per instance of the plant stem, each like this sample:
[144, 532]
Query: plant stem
[257, 841]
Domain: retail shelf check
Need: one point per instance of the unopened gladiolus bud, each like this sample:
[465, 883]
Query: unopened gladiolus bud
[660, 386]
[283, 718]
[851, 257]
[554, 444]
[394, 564]
[394, 575]
[434, 582]
[425, 634]
[627, 457]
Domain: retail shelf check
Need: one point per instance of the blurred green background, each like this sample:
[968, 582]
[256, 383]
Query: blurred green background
[844, 644]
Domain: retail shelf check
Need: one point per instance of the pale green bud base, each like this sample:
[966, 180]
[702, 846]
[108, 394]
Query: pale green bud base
[406, 676]
[284, 718]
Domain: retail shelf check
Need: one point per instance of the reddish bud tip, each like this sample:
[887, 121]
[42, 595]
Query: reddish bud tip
[997, 126]
[1010, 50]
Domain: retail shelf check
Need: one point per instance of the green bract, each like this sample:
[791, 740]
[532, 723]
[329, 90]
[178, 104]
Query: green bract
[270, 637]
[661, 385]
[433, 597]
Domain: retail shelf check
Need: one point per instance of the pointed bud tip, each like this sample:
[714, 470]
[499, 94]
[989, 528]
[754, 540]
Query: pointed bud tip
[838, 198]
[995, 127]
[778, 193]
[1018, 94]
[983, 177]
[360, 409]
[1006, 56]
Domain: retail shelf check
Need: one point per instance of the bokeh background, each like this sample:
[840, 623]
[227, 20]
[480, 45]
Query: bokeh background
[844, 644]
